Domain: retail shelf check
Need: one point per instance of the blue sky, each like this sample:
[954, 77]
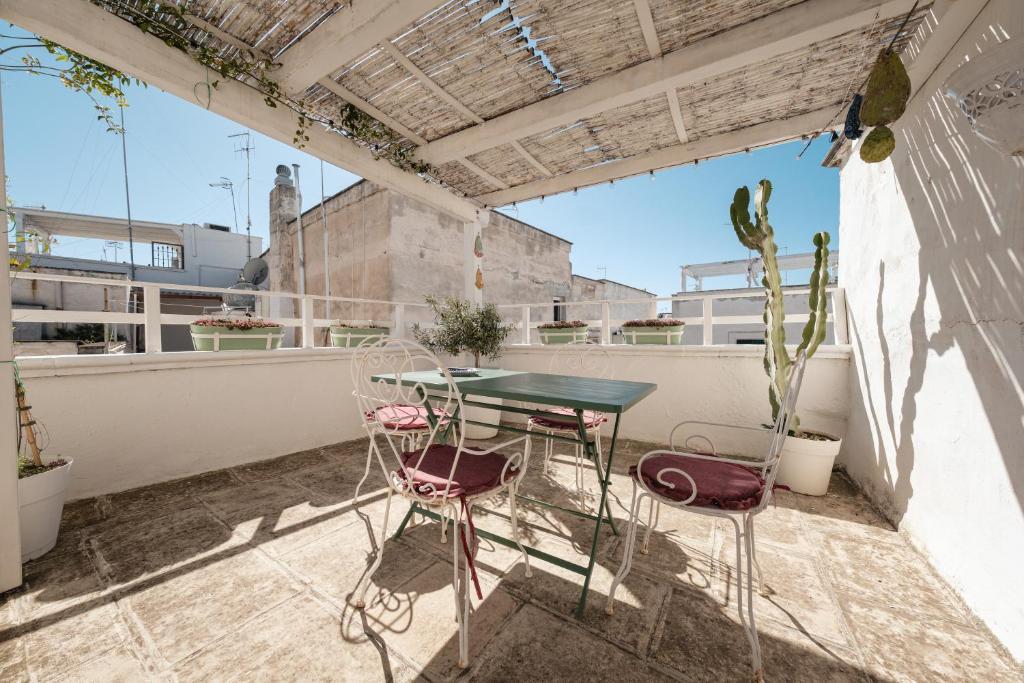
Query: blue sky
[640, 230]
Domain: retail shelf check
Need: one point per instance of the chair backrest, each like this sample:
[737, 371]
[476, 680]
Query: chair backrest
[408, 366]
[784, 420]
[583, 359]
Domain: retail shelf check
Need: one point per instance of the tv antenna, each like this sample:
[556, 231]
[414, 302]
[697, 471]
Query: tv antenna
[245, 145]
[604, 272]
[226, 184]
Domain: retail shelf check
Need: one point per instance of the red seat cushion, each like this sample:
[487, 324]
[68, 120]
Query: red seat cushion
[474, 474]
[720, 484]
[591, 419]
[400, 416]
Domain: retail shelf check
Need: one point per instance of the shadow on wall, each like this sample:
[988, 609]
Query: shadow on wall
[966, 206]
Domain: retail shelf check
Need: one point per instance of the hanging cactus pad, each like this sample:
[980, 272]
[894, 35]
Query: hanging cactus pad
[878, 145]
[887, 92]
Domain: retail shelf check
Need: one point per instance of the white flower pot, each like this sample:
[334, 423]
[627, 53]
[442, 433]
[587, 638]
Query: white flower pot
[806, 464]
[483, 415]
[41, 502]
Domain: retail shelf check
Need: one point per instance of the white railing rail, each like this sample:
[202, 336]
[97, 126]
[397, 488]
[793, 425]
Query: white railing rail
[152, 318]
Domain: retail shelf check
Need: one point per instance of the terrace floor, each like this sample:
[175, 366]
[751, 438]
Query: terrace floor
[243, 574]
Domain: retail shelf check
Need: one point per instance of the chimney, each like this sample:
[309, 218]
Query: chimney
[283, 208]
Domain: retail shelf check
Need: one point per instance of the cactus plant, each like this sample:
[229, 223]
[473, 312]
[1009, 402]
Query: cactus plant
[759, 236]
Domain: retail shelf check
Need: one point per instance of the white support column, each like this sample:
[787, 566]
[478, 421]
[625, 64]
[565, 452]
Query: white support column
[10, 532]
[839, 320]
[526, 325]
[399, 331]
[473, 265]
[606, 323]
[151, 306]
[308, 340]
[708, 326]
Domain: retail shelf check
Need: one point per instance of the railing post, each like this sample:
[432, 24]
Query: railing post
[839, 321]
[709, 337]
[399, 331]
[308, 341]
[151, 306]
[526, 325]
[606, 323]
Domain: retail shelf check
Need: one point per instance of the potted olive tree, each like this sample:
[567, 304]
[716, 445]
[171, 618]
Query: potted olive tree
[464, 327]
[653, 331]
[807, 456]
[243, 333]
[563, 332]
[42, 486]
[347, 334]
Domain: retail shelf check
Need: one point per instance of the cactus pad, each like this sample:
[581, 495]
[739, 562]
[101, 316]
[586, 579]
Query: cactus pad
[878, 145]
[887, 91]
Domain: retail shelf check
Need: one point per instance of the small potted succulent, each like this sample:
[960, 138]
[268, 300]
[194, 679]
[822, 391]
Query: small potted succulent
[349, 333]
[242, 333]
[563, 332]
[464, 327]
[42, 487]
[653, 331]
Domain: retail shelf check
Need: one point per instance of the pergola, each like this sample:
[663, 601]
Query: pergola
[506, 101]
[515, 99]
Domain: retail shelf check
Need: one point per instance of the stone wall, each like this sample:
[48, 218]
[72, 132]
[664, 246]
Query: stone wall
[933, 242]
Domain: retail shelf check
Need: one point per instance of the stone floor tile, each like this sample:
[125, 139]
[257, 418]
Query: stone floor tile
[183, 612]
[904, 645]
[298, 640]
[59, 642]
[13, 667]
[53, 584]
[334, 563]
[275, 467]
[671, 557]
[176, 541]
[173, 495]
[418, 620]
[537, 646]
[80, 513]
[117, 665]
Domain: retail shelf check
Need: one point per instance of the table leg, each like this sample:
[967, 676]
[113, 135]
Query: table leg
[597, 526]
[591, 452]
[405, 520]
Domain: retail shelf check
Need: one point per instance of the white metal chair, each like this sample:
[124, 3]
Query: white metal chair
[449, 478]
[708, 484]
[586, 360]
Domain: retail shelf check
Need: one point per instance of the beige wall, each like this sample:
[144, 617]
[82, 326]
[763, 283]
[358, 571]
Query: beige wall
[933, 247]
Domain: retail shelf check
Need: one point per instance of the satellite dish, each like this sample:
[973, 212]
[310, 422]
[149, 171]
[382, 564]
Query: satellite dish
[255, 272]
[241, 301]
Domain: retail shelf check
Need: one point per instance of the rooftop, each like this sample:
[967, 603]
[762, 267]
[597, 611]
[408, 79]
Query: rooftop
[247, 570]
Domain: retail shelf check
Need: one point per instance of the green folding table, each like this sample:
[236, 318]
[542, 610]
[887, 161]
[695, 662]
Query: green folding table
[612, 397]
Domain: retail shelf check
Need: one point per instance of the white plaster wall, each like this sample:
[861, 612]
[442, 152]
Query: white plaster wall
[933, 247]
[716, 383]
[133, 420]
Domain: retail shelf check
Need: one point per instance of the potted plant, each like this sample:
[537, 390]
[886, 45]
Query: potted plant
[245, 333]
[464, 327]
[653, 331]
[348, 334]
[563, 332]
[807, 456]
[42, 487]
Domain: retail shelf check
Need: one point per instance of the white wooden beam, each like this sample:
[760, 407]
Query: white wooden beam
[367, 108]
[86, 28]
[351, 32]
[757, 41]
[494, 181]
[735, 141]
[643, 15]
[677, 115]
[224, 36]
[949, 19]
[426, 80]
[530, 158]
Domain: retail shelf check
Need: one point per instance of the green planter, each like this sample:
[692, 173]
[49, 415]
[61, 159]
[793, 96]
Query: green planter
[348, 337]
[563, 335]
[666, 335]
[211, 338]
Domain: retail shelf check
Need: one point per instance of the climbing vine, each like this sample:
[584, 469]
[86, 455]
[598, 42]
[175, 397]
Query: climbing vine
[169, 23]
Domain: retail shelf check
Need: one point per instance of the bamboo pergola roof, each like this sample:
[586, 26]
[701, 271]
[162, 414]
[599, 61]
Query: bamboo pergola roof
[513, 99]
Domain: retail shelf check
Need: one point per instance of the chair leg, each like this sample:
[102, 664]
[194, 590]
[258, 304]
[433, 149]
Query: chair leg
[652, 521]
[627, 552]
[747, 620]
[364, 582]
[366, 472]
[462, 599]
[514, 510]
[748, 538]
[762, 587]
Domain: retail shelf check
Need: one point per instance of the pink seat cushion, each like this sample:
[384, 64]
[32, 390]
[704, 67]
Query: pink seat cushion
[722, 485]
[401, 416]
[475, 474]
[591, 419]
